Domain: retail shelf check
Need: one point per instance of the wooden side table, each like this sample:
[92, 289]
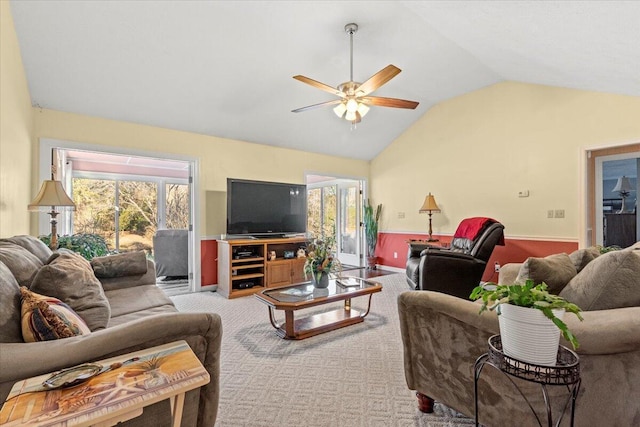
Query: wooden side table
[566, 373]
[112, 396]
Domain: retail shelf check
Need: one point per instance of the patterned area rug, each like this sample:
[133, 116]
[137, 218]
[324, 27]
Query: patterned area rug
[348, 377]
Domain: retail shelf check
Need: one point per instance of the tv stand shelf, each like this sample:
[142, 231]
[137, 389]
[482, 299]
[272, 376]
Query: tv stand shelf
[244, 267]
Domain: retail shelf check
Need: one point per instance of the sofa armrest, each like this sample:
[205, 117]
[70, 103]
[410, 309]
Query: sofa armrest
[148, 278]
[202, 331]
[601, 332]
[508, 273]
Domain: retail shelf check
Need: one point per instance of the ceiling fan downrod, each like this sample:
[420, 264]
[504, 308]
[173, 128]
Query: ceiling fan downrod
[351, 29]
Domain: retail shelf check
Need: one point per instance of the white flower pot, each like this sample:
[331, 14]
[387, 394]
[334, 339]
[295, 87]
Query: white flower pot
[528, 335]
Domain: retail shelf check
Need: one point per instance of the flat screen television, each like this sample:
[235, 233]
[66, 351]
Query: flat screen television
[265, 209]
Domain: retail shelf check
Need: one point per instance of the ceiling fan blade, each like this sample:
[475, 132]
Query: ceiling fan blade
[320, 86]
[389, 102]
[378, 79]
[314, 106]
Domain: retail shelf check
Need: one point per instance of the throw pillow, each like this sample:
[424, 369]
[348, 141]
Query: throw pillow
[70, 278]
[33, 245]
[45, 318]
[9, 307]
[555, 270]
[22, 263]
[582, 257]
[610, 281]
[125, 264]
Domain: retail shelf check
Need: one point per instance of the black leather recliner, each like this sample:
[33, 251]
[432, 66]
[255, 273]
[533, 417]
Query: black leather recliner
[455, 270]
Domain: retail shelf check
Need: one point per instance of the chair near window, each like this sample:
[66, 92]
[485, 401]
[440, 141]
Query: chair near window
[171, 254]
[458, 269]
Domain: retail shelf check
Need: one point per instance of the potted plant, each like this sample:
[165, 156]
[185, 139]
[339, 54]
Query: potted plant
[321, 261]
[530, 319]
[371, 221]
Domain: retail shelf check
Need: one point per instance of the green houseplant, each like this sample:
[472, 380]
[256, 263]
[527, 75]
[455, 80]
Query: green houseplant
[535, 299]
[371, 221]
[321, 260]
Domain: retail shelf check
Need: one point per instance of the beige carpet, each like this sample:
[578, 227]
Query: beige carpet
[349, 377]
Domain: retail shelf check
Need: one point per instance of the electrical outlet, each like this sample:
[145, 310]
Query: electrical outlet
[559, 213]
[496, 267]
[550, 213]
[400, 215]
[395, 254]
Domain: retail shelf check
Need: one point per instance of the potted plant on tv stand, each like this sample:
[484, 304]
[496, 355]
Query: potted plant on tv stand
[371, 221]
[530, 319]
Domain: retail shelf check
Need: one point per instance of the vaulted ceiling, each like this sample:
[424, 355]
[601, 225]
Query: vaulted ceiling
[225, 68]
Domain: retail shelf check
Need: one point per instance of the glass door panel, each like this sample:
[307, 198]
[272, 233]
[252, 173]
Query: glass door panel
[177, 206]
[137, 203]
[349, 233]
[95, 208]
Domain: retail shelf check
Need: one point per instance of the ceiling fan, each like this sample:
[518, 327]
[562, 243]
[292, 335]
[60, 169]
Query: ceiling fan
[354, 97]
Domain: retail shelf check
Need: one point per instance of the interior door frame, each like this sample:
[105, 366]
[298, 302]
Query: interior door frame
[588, 226]
[44, 171]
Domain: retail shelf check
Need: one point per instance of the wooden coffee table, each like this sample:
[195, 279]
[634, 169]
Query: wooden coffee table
[304, 295]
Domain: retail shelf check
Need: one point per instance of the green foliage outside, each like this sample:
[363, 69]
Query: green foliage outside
[87, 245]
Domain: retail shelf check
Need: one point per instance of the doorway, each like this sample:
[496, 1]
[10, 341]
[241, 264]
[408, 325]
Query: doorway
[335, 208]
[605, 167]
[126, 198]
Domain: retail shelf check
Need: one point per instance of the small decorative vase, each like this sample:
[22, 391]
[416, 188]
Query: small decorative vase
[322, 283]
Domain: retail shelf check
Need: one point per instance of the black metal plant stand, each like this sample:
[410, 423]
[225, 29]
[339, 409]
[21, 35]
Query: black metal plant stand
[566, 372]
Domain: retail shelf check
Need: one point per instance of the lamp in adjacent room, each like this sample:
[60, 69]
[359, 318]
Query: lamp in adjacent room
[52, 199]
[623, 188]
[430, 206]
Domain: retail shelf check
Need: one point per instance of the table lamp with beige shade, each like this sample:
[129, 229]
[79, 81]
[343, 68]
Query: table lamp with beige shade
[52, 199]
[430, 206]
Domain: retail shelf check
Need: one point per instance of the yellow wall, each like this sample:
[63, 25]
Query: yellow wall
[219, 158]
[477, 151]
[16, 126]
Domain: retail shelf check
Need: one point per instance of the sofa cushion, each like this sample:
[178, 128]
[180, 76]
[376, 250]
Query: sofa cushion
[70, 278]
[9, 307]
[555, 270]
[128, 304]
[45, 318]
[582, 257]
[120, 265]
[22, 263]
[610, 281]
[33, 245]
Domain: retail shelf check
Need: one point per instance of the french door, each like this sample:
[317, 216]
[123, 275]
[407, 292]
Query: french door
[349, 205]
[334, 209]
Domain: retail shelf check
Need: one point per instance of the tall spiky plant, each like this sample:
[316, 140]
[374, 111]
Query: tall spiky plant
[371, 221]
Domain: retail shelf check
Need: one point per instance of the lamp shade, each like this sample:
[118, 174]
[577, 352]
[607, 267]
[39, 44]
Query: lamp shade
[623, 185]
[429, 205]
[51, 195]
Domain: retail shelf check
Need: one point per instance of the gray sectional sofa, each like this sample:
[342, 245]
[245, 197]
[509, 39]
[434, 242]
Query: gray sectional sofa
[118, 298]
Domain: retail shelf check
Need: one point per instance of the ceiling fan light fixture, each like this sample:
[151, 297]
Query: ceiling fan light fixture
[363, 109]
[340, 109]
[351, 116]
[352, 105]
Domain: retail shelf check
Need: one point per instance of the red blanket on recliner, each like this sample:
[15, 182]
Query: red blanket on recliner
[470, 228]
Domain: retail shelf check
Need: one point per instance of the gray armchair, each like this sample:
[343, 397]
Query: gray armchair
[171, 253]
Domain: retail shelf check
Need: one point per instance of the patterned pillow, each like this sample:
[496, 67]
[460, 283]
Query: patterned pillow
[45, 318]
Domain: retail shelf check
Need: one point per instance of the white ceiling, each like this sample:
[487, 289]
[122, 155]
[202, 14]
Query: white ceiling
[225, 68]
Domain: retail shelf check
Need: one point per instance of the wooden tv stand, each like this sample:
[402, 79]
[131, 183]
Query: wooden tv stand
[244, 267]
